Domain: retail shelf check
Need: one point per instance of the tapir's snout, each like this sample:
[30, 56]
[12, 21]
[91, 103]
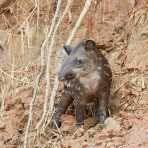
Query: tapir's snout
[66, 75]
[60, 76]
[70, 75]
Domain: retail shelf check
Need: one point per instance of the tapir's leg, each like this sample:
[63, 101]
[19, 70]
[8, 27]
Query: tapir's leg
[102, 108]
[60, 109]
[79, 112]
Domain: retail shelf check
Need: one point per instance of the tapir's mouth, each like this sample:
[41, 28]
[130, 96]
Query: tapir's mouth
[70, 76]
[67, 76]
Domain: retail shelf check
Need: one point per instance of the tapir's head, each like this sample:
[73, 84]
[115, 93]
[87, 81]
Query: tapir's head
[80, 62]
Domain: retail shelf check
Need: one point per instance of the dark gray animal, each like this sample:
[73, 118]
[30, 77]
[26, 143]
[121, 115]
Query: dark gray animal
[87, 76]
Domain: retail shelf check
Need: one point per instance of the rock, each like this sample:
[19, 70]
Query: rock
[111, 123]
[2, 125]
[132, 2]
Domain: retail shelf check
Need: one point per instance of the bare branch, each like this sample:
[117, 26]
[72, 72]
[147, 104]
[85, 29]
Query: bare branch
[31, 109]
[78, 23]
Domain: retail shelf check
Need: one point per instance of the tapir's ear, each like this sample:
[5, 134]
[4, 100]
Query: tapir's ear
[67, 49]
[90, 45]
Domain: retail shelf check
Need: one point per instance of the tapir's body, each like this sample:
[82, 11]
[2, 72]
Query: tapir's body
[87, 76]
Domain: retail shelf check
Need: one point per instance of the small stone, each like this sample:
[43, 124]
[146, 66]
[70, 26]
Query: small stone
[132, 2]
[111, 123]
[2, 125]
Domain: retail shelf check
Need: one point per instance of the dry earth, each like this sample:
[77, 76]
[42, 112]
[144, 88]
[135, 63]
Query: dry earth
[122, 27]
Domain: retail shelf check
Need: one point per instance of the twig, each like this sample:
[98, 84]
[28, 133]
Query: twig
[31, 109]
[26, 142]
[78, 23]
[29, 16]
[52, 98]
[4, 91]
[52, 26]
[38, 13]
[124, 83]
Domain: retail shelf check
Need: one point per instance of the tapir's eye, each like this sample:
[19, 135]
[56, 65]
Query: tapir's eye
[78, 61]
